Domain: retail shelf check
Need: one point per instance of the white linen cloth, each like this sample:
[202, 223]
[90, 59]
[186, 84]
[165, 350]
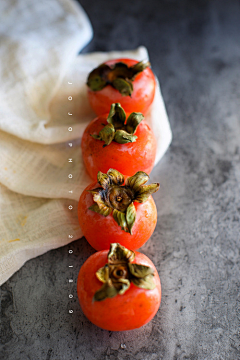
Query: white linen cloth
[43, 113]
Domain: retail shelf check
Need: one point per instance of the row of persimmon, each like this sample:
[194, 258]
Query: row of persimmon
[117, 211]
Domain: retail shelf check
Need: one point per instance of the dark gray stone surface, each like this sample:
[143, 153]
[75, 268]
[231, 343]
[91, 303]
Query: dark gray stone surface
[194, 48]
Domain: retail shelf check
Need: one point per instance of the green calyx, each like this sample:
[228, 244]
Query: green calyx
[119, 272]
[120, 76]
[119, 128]
[118, 199]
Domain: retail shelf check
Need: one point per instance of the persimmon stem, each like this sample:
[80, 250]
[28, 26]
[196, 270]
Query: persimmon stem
[118, 199]
[120, 76]
[119, 272]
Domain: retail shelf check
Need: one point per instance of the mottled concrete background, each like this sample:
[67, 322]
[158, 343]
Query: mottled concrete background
[194, 48]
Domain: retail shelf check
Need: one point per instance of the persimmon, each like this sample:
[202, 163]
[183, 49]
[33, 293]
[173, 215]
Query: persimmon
[118, 140]
[109, 211]
[127, 81]
[119, 289]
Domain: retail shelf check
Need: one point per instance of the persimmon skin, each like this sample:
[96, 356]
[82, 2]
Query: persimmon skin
[140, 100]
[101, 231]
[127, 158]
[135, 308]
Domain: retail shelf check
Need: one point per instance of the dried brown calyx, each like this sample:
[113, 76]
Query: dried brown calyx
[120, 76]
[119, 272]
[118, 128]
[113, 197]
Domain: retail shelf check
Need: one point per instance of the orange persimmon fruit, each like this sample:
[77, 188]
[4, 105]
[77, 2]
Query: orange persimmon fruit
[118, 289]
[127, 81]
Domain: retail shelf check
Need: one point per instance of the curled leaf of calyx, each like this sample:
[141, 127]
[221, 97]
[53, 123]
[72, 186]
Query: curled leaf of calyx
[116, 116]
[135, 181]
[115, 177]
[145, 191]
[100, 206]
[106, 291]
[102, 210]
[103, 273]
[119, 254]
[120, 76]
[122, 137]
[96, 79]
[120, 218]
[103, 179]
[117, 129]
[119, 272]
[107, 134]
[133, 121]
[144, 283]
[131, 216]
[139, 67]
[118, 199]
[125, 87]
